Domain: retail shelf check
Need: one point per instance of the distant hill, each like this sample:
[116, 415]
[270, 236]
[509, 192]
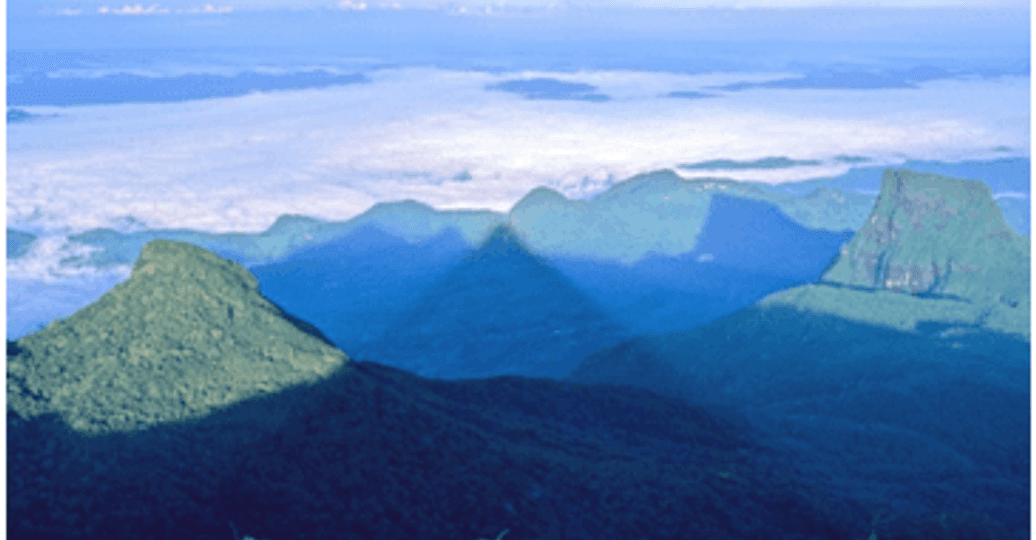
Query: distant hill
[410, 220]
[19, 243]
[652, 213]
[746, 250]
[183, 404]
[660, 213]
[1005, 176]
[502, 310]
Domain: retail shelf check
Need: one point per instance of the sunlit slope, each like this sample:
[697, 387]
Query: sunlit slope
[187, 334]
[185, 405]
[502, 310]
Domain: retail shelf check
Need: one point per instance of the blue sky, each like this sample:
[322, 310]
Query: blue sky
[68, 7]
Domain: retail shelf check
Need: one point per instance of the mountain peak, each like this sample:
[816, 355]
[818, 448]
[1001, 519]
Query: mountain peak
[167, 260]
[188, 332]
[502, 240]
[406, 206]
[540, 196]
[934, 234]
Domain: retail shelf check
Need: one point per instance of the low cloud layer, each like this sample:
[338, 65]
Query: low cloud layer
[238, 163]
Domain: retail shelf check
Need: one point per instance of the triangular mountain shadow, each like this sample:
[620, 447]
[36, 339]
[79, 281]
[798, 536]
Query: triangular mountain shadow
[502, 310]
[96, 450]
[921, 421]
[353, 287]
[757, 237]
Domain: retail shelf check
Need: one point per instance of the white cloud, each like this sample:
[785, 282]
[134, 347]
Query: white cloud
[54, 259]
[353, 6]
[70, 12]
[237, 164]
[1011, 195]
[134, 9]
[211, 9]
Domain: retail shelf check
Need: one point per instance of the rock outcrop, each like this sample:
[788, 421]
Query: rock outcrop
[933, 234]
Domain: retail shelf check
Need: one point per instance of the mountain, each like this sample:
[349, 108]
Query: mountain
[933, 234]
[756, 236]
[410, 220]
[19, 243]
[661, 213]
[502, 310]
[186, 334]
[875, 413]
[917, 399]
[1008, 178]
[746, 250]
[358, 284]
[183, 404]
[657, 212]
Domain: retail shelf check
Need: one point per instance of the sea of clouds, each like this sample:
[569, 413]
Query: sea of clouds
[236, 164]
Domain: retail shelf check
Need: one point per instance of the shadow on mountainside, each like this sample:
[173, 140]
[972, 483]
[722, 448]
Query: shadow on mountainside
[183, 403]
[500, 311]
[919, 420]
[379, 453]
[353, 287]
[747, 249]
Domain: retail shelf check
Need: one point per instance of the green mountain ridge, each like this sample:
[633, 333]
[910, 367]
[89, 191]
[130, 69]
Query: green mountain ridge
[660, 213]
[186, 334]
[408, 219]
[656, 212]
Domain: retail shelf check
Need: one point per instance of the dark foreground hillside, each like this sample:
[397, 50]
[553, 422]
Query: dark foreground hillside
[197, 409]
[920, 421]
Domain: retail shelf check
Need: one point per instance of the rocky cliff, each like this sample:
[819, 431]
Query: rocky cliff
[931, 234]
